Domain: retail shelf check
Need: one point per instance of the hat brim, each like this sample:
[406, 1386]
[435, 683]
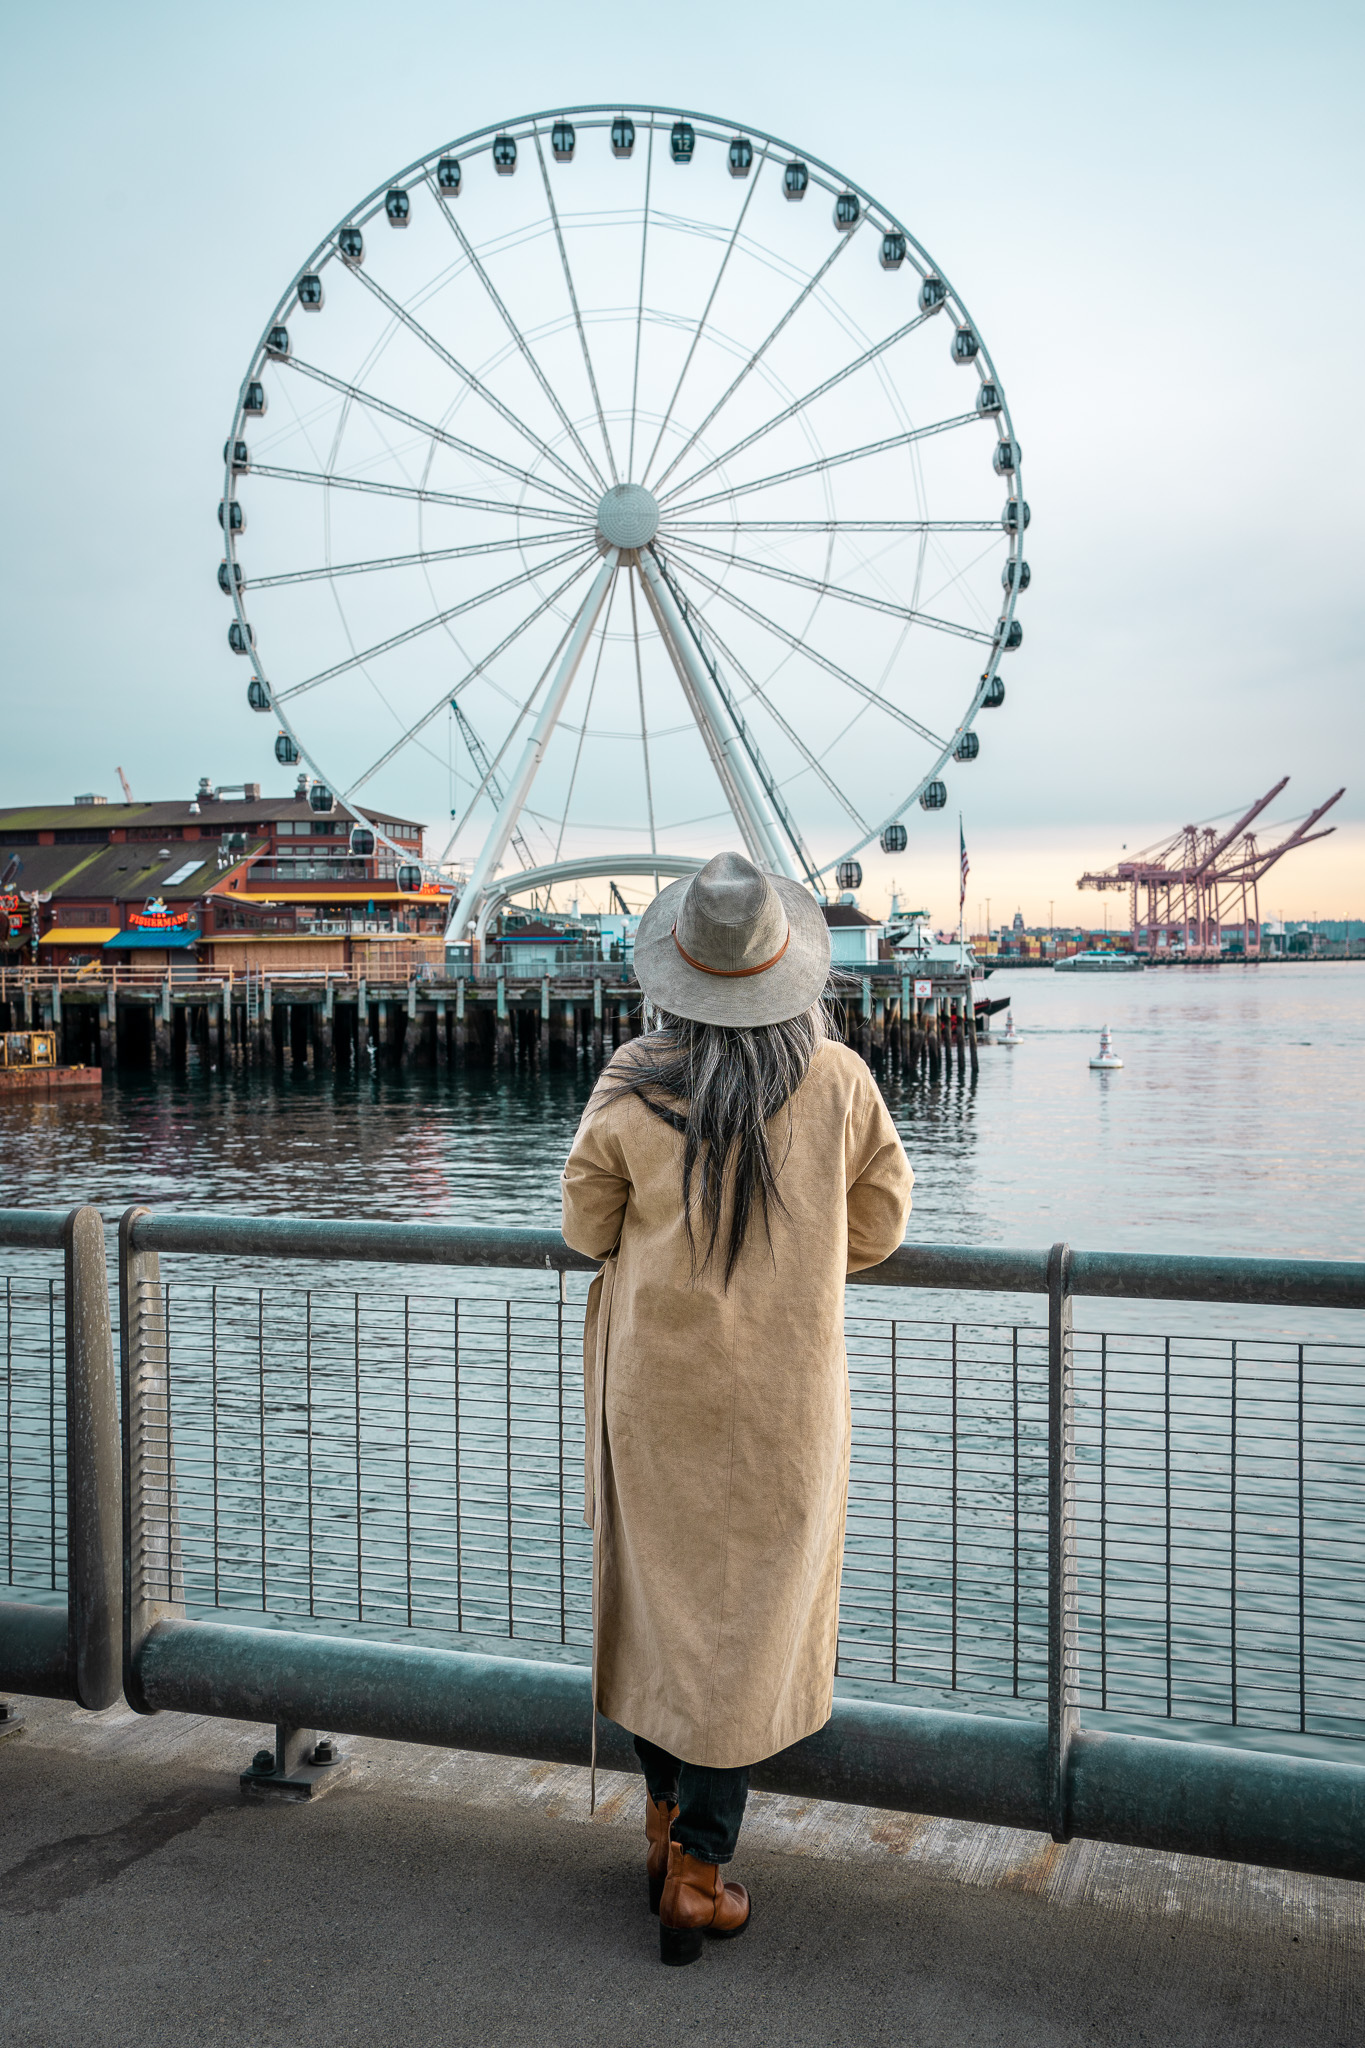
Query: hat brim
[782, 991]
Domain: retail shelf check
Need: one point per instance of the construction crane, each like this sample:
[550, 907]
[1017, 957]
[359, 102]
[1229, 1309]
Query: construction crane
[620, 901]
[1198, 880]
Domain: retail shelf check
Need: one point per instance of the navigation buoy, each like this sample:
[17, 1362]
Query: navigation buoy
[1011, 1036]
[1106, 1058]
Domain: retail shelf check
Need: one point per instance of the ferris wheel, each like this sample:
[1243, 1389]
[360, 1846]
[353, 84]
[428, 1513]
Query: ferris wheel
[616, 481]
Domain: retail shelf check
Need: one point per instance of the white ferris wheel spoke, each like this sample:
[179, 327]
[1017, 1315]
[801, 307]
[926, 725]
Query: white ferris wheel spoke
[644, 727]
[467, 377]
[833, 525]
[799, 404]
[509, 811]
[640, 306]
[578, 323]
[359, 396]
[457, 499]
[811, 760]
[767, 780]
[454, 611]
[706, 310]
[824, 463]
[734, 750]
[800, 646]
[756, 358]
[839, 590]
[489, 780]
[602, 632]
[418, 560]
[757, 843]
[434, 710]
[524, 347]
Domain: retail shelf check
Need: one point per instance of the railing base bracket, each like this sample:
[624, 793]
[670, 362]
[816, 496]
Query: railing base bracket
[302, 1765]
[11, 1720]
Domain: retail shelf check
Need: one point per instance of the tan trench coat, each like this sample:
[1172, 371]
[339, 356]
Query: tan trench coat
[718, 1421]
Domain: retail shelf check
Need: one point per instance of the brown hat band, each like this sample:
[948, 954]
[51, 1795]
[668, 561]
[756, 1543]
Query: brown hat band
[732, 973]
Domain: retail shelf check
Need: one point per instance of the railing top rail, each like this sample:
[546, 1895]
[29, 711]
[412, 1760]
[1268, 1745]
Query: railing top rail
[40, 1228]
[1163, 1276]
[418, 1244]
[1134, 1276]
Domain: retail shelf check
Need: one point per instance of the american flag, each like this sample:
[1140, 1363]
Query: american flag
[966, 868]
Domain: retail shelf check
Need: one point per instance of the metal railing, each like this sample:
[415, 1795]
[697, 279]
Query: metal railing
[1044, 1524]
[61, 1449]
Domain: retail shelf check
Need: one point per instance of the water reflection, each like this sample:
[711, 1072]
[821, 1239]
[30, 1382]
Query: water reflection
[1232, 1127]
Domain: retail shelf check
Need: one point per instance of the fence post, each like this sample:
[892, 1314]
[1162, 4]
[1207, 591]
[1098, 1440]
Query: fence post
[93, 1479]
[153, 1588]
[1062, 1594]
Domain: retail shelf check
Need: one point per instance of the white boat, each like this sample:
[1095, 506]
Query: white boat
[1106, 1058]
[916, 949]
[1100, 963]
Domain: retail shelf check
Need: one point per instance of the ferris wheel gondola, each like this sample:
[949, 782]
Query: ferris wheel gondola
[668, 486]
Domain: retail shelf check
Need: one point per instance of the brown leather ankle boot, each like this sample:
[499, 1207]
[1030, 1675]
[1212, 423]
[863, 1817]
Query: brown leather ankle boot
[659, 1818]
[697, 1904]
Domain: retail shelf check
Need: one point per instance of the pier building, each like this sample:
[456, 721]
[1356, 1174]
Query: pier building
[233, 928]
[229, 878]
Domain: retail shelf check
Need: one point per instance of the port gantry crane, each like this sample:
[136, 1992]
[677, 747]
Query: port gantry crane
[1200, 879]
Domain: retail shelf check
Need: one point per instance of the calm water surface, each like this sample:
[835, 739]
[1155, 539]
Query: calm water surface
[1234, 1126]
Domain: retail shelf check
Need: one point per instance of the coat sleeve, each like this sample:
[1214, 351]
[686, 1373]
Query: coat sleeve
[879, 1187]
[594, 1186]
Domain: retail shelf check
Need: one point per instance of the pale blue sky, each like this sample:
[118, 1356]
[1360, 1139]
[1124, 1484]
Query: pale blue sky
[1154, 215]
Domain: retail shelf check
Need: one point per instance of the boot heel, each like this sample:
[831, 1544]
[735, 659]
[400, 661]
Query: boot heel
[656, 1891]
[679, 1945]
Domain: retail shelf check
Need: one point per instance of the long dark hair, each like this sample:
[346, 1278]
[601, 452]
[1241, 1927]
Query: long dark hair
[720, 1086]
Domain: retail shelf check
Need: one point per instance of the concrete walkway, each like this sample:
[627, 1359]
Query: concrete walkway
[446, 1898]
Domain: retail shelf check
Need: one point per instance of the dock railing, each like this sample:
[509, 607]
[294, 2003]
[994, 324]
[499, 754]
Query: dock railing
[1106, 1585]
[62, 1464]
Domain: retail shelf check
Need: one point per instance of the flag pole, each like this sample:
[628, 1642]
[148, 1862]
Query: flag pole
[961, 896]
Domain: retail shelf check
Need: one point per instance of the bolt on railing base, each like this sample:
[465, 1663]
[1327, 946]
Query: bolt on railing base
[302, 1765]
[1286, 1812]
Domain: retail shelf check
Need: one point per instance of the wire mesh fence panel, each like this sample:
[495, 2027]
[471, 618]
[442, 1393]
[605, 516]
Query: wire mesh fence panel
[1219, 1491]
[945, 1564]
[415, 1461]
[33, 1433]
[403, 1460]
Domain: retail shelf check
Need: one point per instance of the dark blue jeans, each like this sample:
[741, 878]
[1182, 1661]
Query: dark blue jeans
[710, 1802]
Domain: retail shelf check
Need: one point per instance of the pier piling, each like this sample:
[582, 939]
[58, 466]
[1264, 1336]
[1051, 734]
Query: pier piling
[318, 1024]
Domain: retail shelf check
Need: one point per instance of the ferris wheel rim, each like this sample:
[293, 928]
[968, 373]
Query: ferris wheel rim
[707, 126]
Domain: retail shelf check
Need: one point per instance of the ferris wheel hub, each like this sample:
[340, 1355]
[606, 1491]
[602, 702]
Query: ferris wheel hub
[628, 516]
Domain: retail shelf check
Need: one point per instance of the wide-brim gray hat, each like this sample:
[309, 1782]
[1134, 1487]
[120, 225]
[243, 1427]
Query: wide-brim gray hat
[732, 945]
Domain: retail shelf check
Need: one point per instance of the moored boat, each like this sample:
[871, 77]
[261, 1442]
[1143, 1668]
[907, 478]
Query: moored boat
[28, 1066]
[1100, 963]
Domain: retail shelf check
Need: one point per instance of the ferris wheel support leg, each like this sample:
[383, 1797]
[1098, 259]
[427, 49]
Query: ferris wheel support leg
[751, 813]
[495, 845]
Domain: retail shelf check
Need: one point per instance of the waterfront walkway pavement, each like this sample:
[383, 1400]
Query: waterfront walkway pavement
[438, 1897]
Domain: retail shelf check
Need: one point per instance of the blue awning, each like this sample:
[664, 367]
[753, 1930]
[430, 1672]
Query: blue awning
[139, 939]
